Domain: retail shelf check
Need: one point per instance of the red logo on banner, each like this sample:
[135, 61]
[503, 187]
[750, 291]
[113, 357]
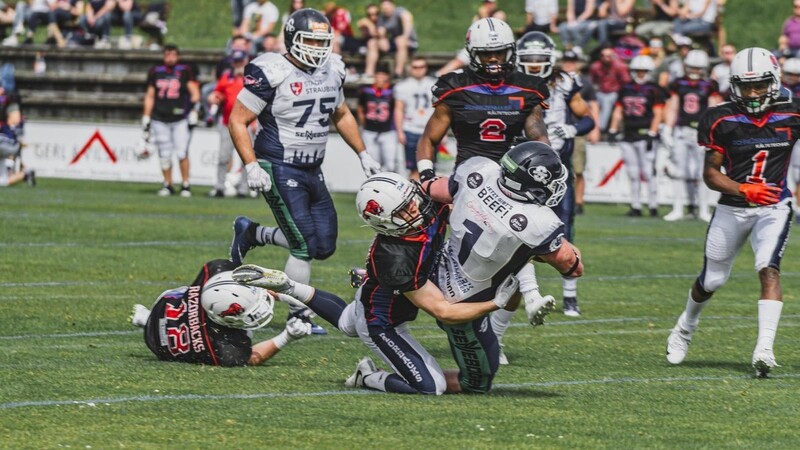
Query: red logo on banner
[99, 138]
[297, 88]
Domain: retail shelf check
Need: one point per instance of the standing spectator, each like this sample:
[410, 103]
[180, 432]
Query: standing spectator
[721, 72]
[541, 15]
[489, 8]
[227, 89]
[97, 20]
[696, 17]
[396, 35]
[237, 8]
[259, 20]
[224, 66]
[343, 38]
[413, 106]
[10, 146]
[128, 14]
[580, 23]
[790, 36]
[640, 110]
[171, 99]
[614, 15]
[608, 75]
[664, 14]
[375, 114]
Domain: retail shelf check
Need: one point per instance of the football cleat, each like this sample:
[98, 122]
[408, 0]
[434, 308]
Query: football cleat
[571, 308]
[253, 275]
[139, 315]
[357, 277]
[244, 238]
[763, 362]
[674, 215]
[633, 212]
[186, 191]
[653, 212]
[503, 359]
[364, 368]
[538, 307]
[678, 343]
[165, 191]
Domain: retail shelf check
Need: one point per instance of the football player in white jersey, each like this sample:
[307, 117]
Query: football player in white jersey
[413, 106]
[501, 218]
[294, 96]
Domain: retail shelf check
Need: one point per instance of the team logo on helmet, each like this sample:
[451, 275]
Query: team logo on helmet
[234, 310]
[540, 174]
[297, 87]
[474, 180]
[290, 26]
[372, 209]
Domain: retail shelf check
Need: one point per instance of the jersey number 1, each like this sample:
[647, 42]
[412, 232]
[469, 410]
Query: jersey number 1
[759, 164]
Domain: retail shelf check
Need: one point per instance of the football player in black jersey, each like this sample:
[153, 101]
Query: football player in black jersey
[487, 104]
[400, 264]
[752, 138]
[207, 322]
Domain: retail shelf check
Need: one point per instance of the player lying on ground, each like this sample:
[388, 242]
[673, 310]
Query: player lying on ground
[177, 327]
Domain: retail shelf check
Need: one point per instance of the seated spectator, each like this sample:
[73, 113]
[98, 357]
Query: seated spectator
[97, 20]
[664, 14]
[259, 20]
[343, 38]
[7, 15]
[489, 8]
[614, 16]
[154, 24]
[695, 17]
[580, 23]
[790, 36]
[237, 8]
[66, 14]
[128, 14]
[396, 35]
[541, 15]
[721, 72]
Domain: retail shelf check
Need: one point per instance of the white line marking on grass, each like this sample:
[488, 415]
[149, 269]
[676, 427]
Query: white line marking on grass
[141, 244]
[70, 335]
[162, 398]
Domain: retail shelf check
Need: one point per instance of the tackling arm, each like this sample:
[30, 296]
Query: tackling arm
[438, 189]
[430, 299]
[535, 128]
[434, 132]
[566, 260]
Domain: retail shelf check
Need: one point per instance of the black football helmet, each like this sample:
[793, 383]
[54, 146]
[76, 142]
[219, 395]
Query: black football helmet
[532, 172]
[305, 24]
[536, 54]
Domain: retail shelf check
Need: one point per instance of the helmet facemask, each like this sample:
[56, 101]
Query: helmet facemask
[233, 305]
[540, 65]
[767, 87]
[308, 53]
[493, 71]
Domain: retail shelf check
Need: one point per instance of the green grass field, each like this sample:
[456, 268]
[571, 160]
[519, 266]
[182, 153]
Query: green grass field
[75, 256]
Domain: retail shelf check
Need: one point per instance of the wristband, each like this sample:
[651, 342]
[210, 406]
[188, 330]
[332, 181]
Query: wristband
[424, 164]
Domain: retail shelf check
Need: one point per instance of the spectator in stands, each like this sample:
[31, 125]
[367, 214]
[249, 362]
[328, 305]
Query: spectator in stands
[97, 20]
[237, 7]
[664, 14]
[259, 20]
[614, 16]
[154, 24]
[541, 15]
[721, 72]
[343, 38]
[695, 17]
[225, 93]
[128, 14]
[580, 24]
[489, 8]
[294, 5]
[66, 15]
[368, 30]
[376, 114]
[413, 106]
[224, 67]
[608, 75]
[675, 62]
[790, 36]
[396, 35]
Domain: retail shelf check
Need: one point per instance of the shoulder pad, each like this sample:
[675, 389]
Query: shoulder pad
[337, 65]
[447, 83]
[274, 66]
[481, 165]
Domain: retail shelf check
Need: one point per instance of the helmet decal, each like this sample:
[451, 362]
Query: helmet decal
[540, 174]
[234, 310]
[373, 208]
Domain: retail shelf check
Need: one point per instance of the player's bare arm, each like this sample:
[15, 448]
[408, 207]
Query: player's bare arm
[579, 107]
[431, 300]
[671, 111]
[399, 116]
[713, 176]
[149, 101]
[616, 119]
[348, 127]
[438, 189]
[658, 118]
[435, 131]
[535, 128]
[566, 260]
[262, 352]
[239, 120]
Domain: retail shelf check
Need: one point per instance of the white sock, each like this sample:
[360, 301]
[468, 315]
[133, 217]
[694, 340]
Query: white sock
[501, 319]
[299, 271]
[376, 380]
[652, 193]
[527, 279]
[271, 236]
[692, 312]
[677, 203]
[569, 287]
[769, 314]
[636, 193]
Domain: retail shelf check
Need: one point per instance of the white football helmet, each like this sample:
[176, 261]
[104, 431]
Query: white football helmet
[757, 68]
[384, 203]
[491, 35]
[696, 64]
[642, 63]
[235, 305]
[791, 66]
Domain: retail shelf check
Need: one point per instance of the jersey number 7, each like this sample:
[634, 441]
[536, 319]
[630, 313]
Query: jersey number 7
[309, 105]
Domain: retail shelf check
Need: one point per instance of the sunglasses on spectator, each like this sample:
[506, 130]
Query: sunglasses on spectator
[423, 66]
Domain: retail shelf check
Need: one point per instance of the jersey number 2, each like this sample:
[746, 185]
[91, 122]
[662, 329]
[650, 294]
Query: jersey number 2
[493, 130]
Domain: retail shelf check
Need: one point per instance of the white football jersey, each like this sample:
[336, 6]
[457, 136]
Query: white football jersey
[293, 107]
[417, 99]
[491, 235]
[559, 112]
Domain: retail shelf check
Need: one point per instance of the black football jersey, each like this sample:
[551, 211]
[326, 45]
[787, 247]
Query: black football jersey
[172, 99]
[396, 265]
[487, 117]
[638, 102]
[179, 329]
[693, 98]
[755, 149]
[378, 107]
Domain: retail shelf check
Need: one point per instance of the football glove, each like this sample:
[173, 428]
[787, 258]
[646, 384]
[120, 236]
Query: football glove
[565, 131]
[760, 194]
[296, 328]
[146, 123]
[505, 291]
[193, 118]
[370, 166]
[652, 140]
[257, 178]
